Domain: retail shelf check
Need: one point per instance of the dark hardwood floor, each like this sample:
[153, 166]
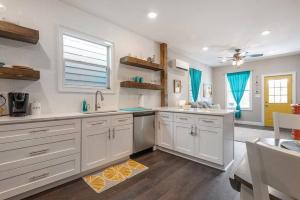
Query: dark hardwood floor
[169, 178]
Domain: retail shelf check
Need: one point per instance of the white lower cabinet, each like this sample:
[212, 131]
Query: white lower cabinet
[95, 148]
[199, 136]
[165, 133]
[209, 144]
[104, 141]
[122, 141]
[184, 140]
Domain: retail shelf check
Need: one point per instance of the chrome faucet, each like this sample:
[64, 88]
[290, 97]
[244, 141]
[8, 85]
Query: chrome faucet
[97, 105]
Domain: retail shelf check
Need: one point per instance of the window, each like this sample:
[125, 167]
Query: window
[278, 91]
[246, 102]
[86, 63]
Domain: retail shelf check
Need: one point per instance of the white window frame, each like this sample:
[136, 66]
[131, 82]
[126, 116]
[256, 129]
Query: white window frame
[250, 94]
[83, 89]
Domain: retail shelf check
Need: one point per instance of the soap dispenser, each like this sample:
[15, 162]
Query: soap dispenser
[84, 106]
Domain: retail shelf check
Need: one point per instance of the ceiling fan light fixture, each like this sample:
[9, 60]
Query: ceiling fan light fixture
[152, 15]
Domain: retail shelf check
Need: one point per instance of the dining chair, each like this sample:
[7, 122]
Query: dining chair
[284, 120]
[274, 167]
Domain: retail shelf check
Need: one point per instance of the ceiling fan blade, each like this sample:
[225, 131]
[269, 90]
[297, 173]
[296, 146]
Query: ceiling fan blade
[255, 55]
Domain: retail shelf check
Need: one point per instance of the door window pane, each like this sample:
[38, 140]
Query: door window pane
[271, 99]
[278, 91]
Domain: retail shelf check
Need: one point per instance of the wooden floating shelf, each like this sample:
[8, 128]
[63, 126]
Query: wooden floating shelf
[136, 62]
[19, 74]
[15, 32]
[147, 86]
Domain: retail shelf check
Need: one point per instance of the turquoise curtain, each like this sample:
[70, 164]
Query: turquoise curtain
[195, 76]
[238, 82]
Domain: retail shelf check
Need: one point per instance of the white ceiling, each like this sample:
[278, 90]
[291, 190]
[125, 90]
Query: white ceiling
[189, 25]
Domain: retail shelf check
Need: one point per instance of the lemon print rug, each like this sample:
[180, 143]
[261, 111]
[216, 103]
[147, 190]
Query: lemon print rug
[114, 175]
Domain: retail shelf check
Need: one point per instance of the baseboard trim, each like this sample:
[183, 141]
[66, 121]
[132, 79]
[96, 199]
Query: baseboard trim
[248, 123]
[198, 160]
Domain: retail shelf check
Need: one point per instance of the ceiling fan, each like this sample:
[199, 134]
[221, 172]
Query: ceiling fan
[239, 56]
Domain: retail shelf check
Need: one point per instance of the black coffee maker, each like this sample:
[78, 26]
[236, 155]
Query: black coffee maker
[18, 104]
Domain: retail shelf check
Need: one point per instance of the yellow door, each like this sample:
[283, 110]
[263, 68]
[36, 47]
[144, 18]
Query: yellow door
[277, 96]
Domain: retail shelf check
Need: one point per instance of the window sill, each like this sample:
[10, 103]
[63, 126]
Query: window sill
[85, 90]
[243, 109]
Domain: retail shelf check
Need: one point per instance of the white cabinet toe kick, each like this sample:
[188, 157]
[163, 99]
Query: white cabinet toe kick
[202, 138]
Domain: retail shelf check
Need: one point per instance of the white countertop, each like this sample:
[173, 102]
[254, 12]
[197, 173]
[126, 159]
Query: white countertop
[45, 117]
[199, 111]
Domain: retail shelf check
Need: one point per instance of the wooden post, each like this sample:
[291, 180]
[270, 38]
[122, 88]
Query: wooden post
[164, 74]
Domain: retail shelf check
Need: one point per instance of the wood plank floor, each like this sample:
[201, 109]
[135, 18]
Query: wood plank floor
[169, 178]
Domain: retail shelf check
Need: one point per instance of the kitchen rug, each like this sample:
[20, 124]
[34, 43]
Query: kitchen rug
[114, 175]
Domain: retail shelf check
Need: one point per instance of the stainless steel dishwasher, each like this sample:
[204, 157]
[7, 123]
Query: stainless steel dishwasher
[143, 131]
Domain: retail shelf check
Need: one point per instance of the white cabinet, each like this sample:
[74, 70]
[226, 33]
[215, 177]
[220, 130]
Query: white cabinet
[165, 131]
[209, 144]
[105, 139]
[204, 138]
[95, 146]
[121, 141]
[184, 139]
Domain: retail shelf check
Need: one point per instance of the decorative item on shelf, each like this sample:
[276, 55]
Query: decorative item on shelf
[2, 64]
[207, 90]
[36, 108]
[177, 86]
[149, 59]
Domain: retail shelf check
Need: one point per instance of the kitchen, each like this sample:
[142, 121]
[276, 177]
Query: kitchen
[88, 103]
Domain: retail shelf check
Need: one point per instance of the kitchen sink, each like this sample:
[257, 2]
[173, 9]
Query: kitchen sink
[100, 111]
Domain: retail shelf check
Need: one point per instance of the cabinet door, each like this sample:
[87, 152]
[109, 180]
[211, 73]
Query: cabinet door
[95, 146]
[183, 138]
[165, 134]
[121, 141]
[209, 144]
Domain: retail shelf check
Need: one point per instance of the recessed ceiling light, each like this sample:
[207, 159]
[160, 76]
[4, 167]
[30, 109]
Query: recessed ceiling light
[2, 7]
[264, 33]
[152, 15]
[205, 48]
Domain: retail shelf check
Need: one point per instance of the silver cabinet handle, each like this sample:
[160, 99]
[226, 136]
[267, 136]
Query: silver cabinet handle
[192, 128]
[38, 131]
[35, 178]
[113, 133]
[98, 123]
[195, 133]
[109, 133]
[122, 120]
[35, 153]
[208, 121]
[183, 118]
[159, 125]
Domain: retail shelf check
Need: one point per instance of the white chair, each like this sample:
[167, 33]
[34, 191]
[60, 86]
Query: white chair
[284, 120]
[274, 167]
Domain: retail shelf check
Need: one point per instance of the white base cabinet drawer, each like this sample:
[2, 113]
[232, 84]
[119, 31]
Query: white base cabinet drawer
[17, 181]
[210, 121]
[28, 131]
[17, 154]
[184, 118]
[165, 116]
[121, 120]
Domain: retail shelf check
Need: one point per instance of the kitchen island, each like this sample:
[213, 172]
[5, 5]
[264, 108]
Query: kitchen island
[202, 135]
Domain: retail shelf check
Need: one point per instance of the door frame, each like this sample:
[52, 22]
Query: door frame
[294, 90]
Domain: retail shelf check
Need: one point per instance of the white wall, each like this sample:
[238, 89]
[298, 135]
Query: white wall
[46, 16]
[268, 66]
[177, 74]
